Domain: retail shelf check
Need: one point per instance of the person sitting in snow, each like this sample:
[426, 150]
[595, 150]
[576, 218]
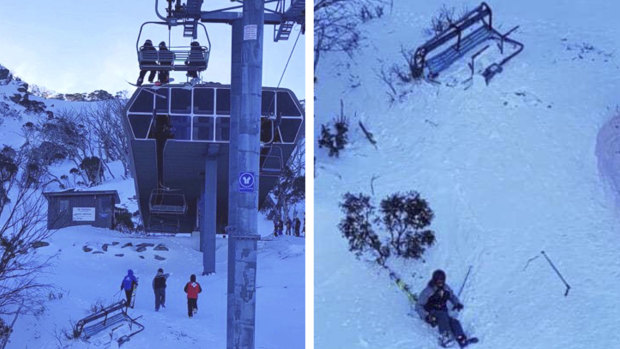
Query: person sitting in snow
[128, 284]
[432, 308]
[192, 288]
[159, 287]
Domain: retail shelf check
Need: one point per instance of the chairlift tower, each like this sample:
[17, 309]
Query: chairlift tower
[245, 139]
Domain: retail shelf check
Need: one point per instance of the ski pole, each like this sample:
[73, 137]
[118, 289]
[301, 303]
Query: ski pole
[557, 272]
[464, 281]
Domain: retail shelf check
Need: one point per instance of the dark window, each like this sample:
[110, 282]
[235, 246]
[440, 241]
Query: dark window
[140, 124]
[203, 128]
[143, 103]
[63, 205]
[180, 126]
[203, 101]
[286, 106]
[223, 101]
[268, 103]
[266, 130]
[181, 101]
[289, 129]
[222, 129]
[161, 104]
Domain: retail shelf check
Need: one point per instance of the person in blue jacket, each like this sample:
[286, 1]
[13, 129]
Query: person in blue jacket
[128, 284]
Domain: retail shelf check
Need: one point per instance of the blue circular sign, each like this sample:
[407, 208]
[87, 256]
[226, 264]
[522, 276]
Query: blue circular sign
[246, 181]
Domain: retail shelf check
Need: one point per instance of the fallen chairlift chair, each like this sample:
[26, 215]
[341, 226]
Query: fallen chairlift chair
[105, 318]
[167, 203]
[464, 44]
[178, 58]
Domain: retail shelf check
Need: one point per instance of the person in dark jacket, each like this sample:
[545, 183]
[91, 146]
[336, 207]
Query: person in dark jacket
[196, 58]
[159, 287]
[432, 308]
[280, 226]
[288, 226]
[192, 288]
[128, 284]
[147, 47]
[165, 59]
[297, 224]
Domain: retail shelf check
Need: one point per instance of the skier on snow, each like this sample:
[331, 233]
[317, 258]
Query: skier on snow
[432, 308]
[192, 288]
[159, 287]
[128, 284]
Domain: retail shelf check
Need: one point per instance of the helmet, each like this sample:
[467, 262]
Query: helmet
[195, 43]
[162, 44]
[439, 275]
[148, 42]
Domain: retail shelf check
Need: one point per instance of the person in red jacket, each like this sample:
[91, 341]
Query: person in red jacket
[192, 288]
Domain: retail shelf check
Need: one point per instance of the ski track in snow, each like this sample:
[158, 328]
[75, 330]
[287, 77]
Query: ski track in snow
[509, 169]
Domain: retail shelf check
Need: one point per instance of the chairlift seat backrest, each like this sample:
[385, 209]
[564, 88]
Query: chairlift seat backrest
[101, 320]
[444, 59]
[165, 202]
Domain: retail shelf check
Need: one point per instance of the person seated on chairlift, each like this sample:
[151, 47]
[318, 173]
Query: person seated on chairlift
[195, 58]
[147, 47]
[164, 75]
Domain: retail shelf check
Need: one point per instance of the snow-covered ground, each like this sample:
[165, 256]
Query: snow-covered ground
[85, 278]
[509, 169]
[82, 279]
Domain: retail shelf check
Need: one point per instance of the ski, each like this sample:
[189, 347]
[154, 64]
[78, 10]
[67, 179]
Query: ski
[133, 296]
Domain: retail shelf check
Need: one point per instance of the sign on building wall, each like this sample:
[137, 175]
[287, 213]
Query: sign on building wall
[83, 214]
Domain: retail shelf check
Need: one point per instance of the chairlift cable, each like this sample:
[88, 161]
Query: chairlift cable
[284, 71]
[289, 58]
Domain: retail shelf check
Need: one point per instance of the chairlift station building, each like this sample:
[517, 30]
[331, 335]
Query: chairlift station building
[195, 159]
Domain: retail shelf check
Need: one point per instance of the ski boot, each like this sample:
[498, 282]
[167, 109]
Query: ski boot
[140, 81]
[446, 341]
[464, 341]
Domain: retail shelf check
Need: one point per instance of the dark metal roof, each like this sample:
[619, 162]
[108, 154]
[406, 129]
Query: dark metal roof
[73, 192]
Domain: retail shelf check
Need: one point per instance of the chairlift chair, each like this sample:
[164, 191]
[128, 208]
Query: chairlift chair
[166, 205]
[271, 160]
[178, 58]
[470, 31]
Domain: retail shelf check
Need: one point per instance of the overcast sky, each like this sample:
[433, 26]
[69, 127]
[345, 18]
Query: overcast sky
[81, 46]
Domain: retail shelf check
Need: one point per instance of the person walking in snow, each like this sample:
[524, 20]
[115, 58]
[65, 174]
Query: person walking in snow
[297, 224]
[192, 288]
[288, 226]
[280, 226]
[145, 49]
[159, 287]
[432, 308]
[128, 284]
[275, 227]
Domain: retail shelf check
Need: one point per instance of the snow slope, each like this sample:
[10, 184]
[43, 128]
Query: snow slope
[81, 279]
[85, 278]
[509, 169]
